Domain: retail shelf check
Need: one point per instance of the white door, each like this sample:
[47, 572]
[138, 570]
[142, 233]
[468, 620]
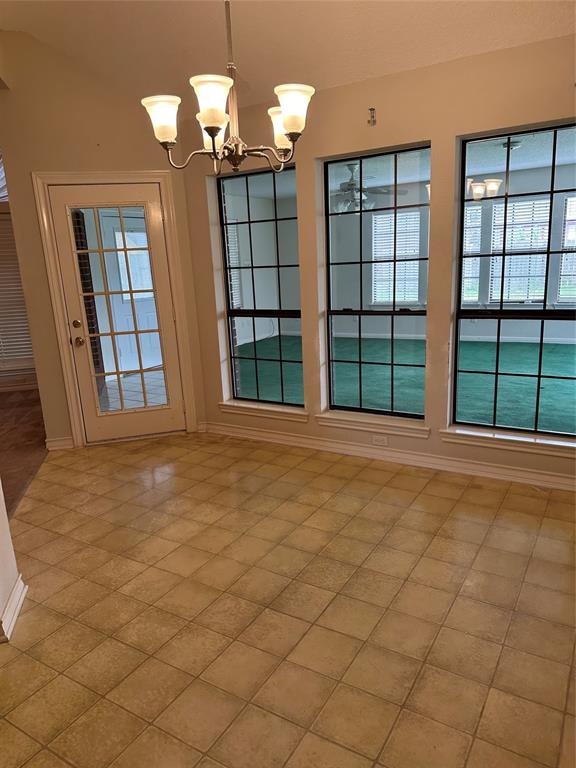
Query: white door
[114, 268]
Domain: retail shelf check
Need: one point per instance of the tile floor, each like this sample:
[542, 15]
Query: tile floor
[206, 601]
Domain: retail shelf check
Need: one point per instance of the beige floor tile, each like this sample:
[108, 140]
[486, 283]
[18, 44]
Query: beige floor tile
[423, 602]
[465, 654]
[356, 719]
[229, 615]
[568, 747]
[555, 551]
[500, 563]
[49, 582]
[274, 632]
[116, 572]
[532, 677]
[404, 634]
[383, 673]
[257, 739]
[111, 613]
[451, 551]
[272, 529]
[571, 699]
[200, 714]
[347, 550]
[483, 755]
[150, 629]
[369, 531]
[519, 542]
[326, 573]
[315, 752]
[155, 749]
[438, 574]
[308, 539]
[547, 604]
[150, 688]
[372, 587]
[551, 575]
[120, 539]
[150, 585]
[392, 562]
[183, 561]
[213, 539]
[20, 679]
[351, 617]
[325, 651]
[419, 520]
[486, 621]
[66, 645]
[295, 693]
[35, 625]
[451, 699]
[45, 759]
[489, 588]
[76, 598]
[52, 709]
[259, 586]
[327, 520]
[85, 561]
[293, 511]
[98, 736]
[240, 669]
[248, 549]
[304, 601]
[406, 540]
[464, 530]
[16, 746]
[104, 667]
[187, 599]
[417, 742]
[193, 649]
[7, 653]
[521, 726]
[557, 529]
[285, 560]
[55, 551]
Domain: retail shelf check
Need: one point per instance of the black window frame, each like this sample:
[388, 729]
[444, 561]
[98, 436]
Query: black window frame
[502, 313]
[359, 313]
[279, 314]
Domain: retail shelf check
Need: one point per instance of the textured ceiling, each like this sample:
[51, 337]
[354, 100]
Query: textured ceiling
[151, 47]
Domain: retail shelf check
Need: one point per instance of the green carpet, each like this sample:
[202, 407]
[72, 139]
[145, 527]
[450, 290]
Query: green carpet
[476, 391]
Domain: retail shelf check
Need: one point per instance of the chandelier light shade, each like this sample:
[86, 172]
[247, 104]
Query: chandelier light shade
[218, 107]
[163, 111]
[478, 189]
[492, 187]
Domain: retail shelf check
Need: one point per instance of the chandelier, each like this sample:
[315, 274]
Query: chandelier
[213, 93]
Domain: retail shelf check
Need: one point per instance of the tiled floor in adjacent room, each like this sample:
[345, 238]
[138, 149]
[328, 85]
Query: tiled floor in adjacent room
[206, 601]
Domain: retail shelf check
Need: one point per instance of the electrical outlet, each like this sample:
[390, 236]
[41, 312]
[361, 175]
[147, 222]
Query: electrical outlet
[380, 440]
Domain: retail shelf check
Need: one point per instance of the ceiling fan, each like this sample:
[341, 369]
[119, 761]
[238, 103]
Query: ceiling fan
[350, 192]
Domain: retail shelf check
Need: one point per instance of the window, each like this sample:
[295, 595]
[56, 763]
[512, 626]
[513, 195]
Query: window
[516, 345]
[260, 243]
[377, 219]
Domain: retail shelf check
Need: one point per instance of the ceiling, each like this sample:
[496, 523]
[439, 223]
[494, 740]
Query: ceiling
[151, 46]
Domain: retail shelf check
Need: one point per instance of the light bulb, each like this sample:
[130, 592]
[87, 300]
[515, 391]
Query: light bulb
[212, 94]
[492, 186]
[478, 189]
[428, 190]
[219, 139]
[163, 111]
[280, 139]
[294, 99]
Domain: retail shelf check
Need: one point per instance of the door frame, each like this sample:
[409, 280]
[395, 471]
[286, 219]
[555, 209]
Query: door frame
[42, 183]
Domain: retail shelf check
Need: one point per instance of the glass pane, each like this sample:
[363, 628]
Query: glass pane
[84, 228]
[127, 352]
[516, 406]
[261, 196]
[376, 387]
[484, 159]
[376, 347]
[267, 335]
[411, 283]
[346, 384]
[471, 268]
[565, 173]
[145, 307]
[266, 288]
[344, 339]
[108, 391]
[344, 186]
[234, 199]
[242, 336]
[527, 224]
[413, 173]
[121, 307]
[286, 193]
[410, 340]
[290, 287]
[378, 284]
[557, 412]
[96, 314]
[263, 243]
[476, 230]
[378, 181]
[155, 385]
[477, 345]
[288, 241]
[291, 338]
[116, 271]
[475, 398]
[269, 380]
[245, 376]
[344, 238]
[238, 245]
[110, 228]
[524, 279]
[140, 270]
[150, 350]
[530, 162]
[293, 383]
[559, 350]
[562, 280]
[564, 221]
[519, 346]
[240, 288]
[345, 286]
[377, 235]
[135, 227]
[90, 272]
[102, 354]
[132, 391]
[408, 389]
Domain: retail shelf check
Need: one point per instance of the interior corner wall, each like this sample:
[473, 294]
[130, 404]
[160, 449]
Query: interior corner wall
[58, 117]
[504, 90]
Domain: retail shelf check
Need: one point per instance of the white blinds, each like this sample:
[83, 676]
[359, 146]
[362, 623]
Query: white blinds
[407, 246]
[15, 346]
[472, 229]
[234, 281]
[3, 187]
[526, 225]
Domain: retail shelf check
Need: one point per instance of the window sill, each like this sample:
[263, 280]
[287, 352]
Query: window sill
[264, 410]
[373, 423]
[510, 441]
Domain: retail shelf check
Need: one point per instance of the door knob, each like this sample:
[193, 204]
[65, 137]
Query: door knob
[79, 341]
[76, 323]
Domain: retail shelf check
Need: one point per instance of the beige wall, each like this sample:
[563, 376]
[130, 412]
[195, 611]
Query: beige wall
[57, 118]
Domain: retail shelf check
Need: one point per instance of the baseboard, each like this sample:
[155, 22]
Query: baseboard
[441, 463]
[12, 609]
[59, 443]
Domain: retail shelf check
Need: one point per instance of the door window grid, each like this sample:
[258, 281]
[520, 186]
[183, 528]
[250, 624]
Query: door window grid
[525, 295]
[393, 384]
[263, 314]
[139, 382]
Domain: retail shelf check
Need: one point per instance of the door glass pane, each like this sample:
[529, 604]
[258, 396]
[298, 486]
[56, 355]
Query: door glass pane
[84, 228]
[145, 308]
[110, 228]
[132, 391]
[122, 317]
[90, 272]
[140, 270]
[155, 386]
[151, 351]
[96, 314]
[108, 391]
